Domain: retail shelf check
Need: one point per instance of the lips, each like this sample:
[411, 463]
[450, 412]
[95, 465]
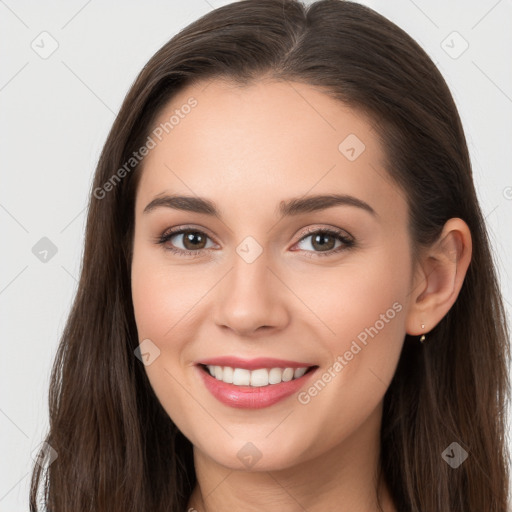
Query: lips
[247, 386]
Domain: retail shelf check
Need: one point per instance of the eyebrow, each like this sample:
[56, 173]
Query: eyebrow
[290, 207]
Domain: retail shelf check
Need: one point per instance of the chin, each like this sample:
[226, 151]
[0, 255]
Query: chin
[258, 455]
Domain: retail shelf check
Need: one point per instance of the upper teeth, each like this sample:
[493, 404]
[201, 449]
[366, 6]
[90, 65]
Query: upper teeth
[260, 377]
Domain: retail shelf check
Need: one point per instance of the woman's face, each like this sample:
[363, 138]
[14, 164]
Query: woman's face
[262, 280]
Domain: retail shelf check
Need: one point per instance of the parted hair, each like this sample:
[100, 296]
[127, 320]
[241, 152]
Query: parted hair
[117, 448]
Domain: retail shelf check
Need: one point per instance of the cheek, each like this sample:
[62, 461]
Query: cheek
[376, 310]
[162, 294]
[160, 306]
[360, 301]
[365, 310]
[372, 304]
[152, 314]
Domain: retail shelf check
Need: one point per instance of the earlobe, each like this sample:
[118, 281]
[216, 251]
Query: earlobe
[439, 278]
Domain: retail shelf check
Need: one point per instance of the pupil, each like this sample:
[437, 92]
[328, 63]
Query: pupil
[189, 238]
[321, 237]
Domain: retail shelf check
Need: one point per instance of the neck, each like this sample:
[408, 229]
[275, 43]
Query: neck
[344, 479]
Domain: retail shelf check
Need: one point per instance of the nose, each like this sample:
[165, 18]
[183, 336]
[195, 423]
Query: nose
[251, 299]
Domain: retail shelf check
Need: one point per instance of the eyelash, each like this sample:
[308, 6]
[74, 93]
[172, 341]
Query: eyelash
[347, 242]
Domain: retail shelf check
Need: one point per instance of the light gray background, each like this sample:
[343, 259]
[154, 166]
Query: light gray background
[56, 113]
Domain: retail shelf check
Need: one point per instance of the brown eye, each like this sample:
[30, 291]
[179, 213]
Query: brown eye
[323, 242]
[193, 241]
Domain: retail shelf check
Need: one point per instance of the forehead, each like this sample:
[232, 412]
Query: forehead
[263, 143]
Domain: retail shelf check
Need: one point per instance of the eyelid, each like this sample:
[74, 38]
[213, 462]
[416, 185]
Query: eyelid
[315, 228]
[310, 229]
[331, 230]
[185, 227]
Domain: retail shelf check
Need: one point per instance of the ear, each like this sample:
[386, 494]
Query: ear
[438, 277]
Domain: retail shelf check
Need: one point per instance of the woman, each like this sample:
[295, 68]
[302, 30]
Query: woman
[287, 299]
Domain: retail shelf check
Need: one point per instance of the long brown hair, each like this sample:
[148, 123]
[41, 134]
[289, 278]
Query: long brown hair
[117, 448]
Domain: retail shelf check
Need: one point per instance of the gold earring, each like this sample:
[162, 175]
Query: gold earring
[422, 339]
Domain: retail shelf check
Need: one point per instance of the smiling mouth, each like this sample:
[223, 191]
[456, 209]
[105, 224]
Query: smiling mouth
[261, 377]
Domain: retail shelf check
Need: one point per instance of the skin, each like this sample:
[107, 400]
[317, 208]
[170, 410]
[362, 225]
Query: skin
[247, 149]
